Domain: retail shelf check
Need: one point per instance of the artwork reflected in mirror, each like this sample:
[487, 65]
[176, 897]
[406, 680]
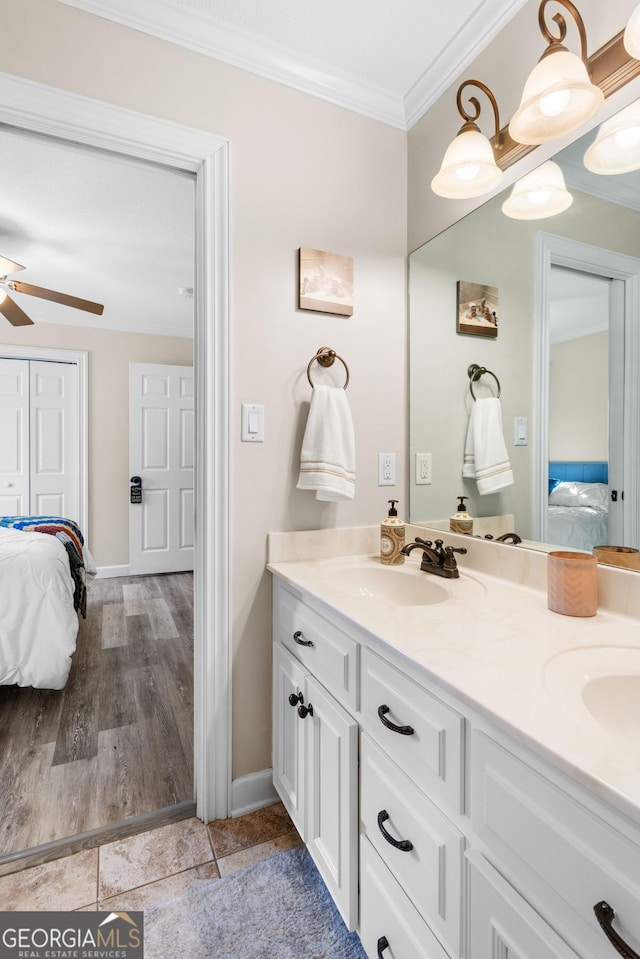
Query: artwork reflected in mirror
[567, 284]
[477, 309]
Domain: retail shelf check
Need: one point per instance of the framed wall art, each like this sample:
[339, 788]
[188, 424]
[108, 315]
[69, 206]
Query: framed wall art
[477, 309]
[326, 282]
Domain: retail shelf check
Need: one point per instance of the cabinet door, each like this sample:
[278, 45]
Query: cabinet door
[331, 761]
[288, 734]
[501, 924]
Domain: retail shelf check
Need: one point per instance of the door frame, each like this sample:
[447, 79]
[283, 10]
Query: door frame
[79, 359]
[552, 250]
[52, 112]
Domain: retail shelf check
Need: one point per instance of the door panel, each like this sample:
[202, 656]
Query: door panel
[54, 439]
[161, 446]
[14, 431]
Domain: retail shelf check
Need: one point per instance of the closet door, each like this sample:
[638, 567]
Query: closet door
[14, 437]
[54, 439]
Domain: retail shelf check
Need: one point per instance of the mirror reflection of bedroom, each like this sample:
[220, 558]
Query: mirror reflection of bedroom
[579, 436]
[96, 492]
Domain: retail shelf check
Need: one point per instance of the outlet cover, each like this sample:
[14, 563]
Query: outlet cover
[386, 469]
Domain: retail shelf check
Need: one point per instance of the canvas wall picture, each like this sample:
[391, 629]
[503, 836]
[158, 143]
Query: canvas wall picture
[326, 282]
[477, 309]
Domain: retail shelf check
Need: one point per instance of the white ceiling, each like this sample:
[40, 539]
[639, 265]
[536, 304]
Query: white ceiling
[387, 60]
[98, 226]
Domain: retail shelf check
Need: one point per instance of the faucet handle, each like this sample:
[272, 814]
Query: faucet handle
[424, 542]
[455, 549]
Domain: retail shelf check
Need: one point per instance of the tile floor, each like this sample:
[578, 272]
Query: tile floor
[143, 870]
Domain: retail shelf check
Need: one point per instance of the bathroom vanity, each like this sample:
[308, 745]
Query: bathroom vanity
[456, 756]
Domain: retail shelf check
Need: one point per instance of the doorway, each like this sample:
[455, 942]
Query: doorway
[617, 276]
[39, 109]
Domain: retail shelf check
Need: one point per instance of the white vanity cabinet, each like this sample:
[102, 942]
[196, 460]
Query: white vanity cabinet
[315, 760]
[471, 845]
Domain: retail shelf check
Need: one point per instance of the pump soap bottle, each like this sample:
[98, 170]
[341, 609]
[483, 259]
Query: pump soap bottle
[392, 538]
[461, 522]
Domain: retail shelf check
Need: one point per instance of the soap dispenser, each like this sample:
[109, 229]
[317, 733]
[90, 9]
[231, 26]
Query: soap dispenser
[461, 522]
[392, 537]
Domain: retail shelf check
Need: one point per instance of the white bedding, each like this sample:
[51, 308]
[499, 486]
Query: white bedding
[578, 527]
[38, 623]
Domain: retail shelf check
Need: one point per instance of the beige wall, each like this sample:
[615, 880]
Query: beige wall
[110, 353]
[579, 398]
[303, 173]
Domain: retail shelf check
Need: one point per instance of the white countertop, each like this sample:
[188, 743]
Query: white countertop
[496, 645]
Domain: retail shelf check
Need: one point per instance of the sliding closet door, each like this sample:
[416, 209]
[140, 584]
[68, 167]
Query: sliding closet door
[54, 439]
[14, 437]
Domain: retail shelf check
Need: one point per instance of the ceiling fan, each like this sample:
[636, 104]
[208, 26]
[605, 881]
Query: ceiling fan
[15, 314]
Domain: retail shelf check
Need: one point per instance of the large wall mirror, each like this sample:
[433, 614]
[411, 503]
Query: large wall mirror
[566, 355]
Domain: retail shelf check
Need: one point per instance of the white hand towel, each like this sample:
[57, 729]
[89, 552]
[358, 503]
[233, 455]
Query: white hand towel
[485, 452]
[328, 458]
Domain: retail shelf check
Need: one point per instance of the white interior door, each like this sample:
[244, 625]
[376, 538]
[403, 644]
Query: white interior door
[14, 437]
[161, 451]
[54, 439]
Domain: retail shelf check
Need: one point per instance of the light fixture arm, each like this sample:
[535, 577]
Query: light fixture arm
[470, 118]
[559, 20]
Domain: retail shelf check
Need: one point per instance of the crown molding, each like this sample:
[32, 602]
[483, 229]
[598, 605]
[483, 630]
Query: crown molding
[480, 29]
[195, 31]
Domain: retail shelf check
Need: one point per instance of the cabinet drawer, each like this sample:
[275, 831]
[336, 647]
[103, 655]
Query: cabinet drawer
[562, 855]
[429, 867]
[332, 655]
[433, 751]
[386, 915]
[501, 923]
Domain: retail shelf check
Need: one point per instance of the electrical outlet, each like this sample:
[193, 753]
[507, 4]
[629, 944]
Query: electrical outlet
[386, 469]
[423, 469]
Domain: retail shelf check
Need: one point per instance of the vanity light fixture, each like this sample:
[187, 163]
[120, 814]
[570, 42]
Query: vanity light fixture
[539, 194]
[558, 96]
[616, 149]
[632, 35]
[469, 166]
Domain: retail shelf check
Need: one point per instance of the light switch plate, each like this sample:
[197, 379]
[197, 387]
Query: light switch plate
[252, 423]
[520, 431]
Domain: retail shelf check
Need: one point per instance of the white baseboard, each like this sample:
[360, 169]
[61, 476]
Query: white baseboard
[252, 792]
[108, 572]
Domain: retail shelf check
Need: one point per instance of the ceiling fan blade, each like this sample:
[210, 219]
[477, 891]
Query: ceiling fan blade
[9, 266]
[13, 313]
[87, 305]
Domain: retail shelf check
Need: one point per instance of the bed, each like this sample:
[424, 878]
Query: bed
[578, 509]
[40, 585]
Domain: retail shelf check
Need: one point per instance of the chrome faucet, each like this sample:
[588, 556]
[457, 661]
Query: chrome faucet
[436, 557]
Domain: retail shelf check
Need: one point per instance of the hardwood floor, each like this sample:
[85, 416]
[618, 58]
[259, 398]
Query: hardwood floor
[117, 741]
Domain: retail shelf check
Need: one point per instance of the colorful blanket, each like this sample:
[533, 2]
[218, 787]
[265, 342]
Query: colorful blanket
[70, 536]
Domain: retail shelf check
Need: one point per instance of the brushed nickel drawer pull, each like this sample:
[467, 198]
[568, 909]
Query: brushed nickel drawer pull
[605, 916]
[404, 844]
[403, 730]
[297, 638]
[383, 943]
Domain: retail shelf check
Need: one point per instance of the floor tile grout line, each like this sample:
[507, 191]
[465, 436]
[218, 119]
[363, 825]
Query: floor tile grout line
[153, 882]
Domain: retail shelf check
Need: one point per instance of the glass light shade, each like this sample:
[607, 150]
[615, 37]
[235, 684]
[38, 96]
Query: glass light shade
[632, 35]
[539, 194]
[616, 149]
[557, 98]
[468, 167]
[3, 294]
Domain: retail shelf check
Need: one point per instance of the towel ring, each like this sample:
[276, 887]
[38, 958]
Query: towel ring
[474, 373]
[326, 357]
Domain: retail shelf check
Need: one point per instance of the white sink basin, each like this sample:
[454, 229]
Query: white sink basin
[367, 579]
[603, 683]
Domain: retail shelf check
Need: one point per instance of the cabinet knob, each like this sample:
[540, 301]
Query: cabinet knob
[402, 730]
[299, 639]
[304, 711]
[383, 943]
[404, 844]
[295, 698]
[605, 916]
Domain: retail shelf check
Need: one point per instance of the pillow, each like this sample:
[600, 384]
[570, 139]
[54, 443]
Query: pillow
[580, 494]
[552, 484]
